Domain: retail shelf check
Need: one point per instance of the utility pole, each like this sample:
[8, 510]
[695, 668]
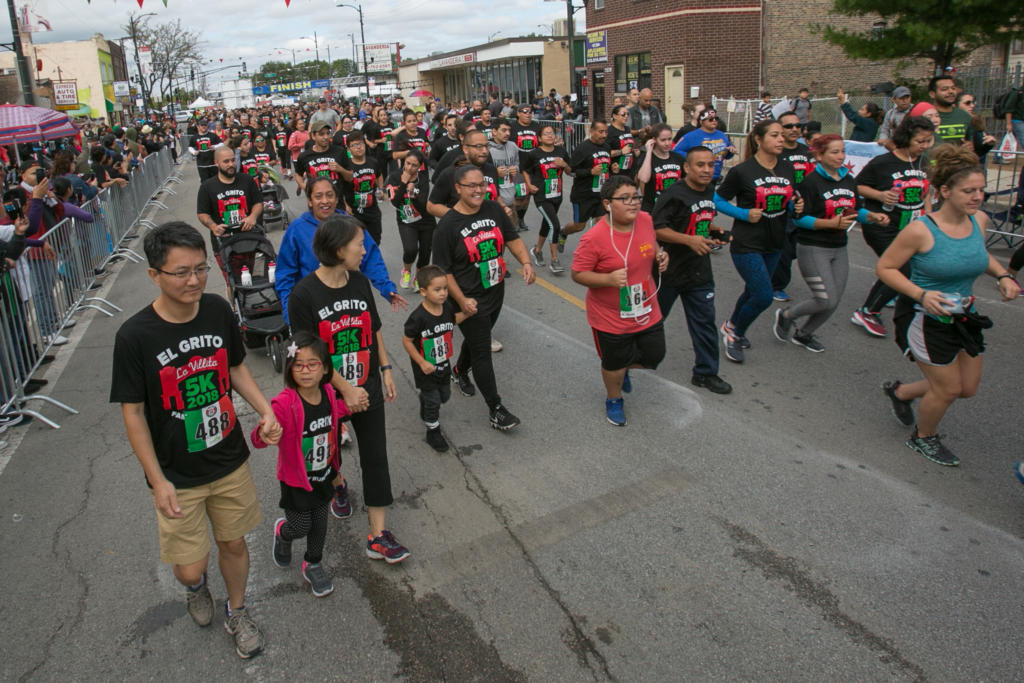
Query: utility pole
[132, 19]
[570, 31]
[362, 37]
[24, 75]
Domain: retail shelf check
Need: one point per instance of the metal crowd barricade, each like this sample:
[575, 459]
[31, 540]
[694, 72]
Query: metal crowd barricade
[1001, 196]
[48, 285]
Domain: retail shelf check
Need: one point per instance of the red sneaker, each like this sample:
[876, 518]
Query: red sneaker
[870, 322]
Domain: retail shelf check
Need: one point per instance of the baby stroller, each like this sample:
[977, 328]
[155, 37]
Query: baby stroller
[273, 194]
[246, 259]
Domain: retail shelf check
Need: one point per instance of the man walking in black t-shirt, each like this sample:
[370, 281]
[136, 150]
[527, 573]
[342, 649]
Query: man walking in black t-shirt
[228, 202]
[202, 146]
[176, 365]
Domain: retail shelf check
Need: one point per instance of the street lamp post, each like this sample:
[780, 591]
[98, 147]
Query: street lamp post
[132, 20]
[316, 46]
[362, 37]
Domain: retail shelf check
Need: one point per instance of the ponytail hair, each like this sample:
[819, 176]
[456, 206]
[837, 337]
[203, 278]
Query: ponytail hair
[759, 131]
[952, 164]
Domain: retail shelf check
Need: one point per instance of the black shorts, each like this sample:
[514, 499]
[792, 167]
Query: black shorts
[585, 210]
[926, 340]
[620, 351]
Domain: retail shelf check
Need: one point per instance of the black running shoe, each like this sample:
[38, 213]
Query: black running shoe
[464, 383]
[503, 420]
[931, 447]
[436, 440]
[903, 410]
[713, 383]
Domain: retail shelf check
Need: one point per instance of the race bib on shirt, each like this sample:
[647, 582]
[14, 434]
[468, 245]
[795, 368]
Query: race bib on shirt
[409, 213]
[634, 301]
[437, 350]
[316, 450]
[348, 341]
[200, 391]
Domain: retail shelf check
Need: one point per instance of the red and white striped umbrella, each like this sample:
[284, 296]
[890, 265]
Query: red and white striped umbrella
[23, 123]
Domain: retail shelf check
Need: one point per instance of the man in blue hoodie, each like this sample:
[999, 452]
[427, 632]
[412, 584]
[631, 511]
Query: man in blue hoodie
[708, 135]
[295, 259]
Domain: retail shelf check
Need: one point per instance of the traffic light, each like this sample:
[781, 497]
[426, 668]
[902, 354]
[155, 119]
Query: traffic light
[192, 73]
[244, 70]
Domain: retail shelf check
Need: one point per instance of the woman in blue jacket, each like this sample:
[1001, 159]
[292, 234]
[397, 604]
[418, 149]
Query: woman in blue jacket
[295, 258]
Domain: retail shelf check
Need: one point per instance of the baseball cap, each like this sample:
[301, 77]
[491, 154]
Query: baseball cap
[318, 125]
[323, 99]
[524, 107]
[27, 164]
[901, 91]
[707, 113]
[202, 122]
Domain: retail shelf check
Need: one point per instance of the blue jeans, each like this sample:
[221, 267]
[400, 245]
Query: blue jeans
[756, 270]
[43, 274]
[699, 307]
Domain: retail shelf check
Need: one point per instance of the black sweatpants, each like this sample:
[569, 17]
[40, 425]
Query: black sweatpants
[476, 353]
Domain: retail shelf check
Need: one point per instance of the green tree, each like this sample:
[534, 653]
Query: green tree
[943, 31]
[171, 46]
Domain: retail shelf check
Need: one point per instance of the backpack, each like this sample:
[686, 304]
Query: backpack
[999, 110]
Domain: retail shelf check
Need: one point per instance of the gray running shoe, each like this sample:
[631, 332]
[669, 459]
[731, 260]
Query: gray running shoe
[783, 326]
[248, 639]
[538, 256]
[556, 267]
[316, 576]
[931, 447]
[200, 604]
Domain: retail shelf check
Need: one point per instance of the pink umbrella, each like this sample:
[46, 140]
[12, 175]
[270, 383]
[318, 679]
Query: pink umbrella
[23, 123]
[421, 93]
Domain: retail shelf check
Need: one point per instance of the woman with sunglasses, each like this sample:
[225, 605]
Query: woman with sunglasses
[614, 261]
[983, 142]
[762, 187]
[468, 244]
[620, 141]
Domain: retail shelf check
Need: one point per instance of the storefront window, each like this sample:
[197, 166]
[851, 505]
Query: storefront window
[521, 78]
[632, 71]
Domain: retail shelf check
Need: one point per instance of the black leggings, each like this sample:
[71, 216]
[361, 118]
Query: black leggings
[417, 238]
[372, 439]
[285, 155]
[879, 240]
[476, 352]
[311, 524]
[549, 219]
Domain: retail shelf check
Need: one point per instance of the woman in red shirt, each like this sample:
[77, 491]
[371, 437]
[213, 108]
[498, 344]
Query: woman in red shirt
[614, 260]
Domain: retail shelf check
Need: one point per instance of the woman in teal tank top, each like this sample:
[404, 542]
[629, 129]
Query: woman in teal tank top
[937, 329]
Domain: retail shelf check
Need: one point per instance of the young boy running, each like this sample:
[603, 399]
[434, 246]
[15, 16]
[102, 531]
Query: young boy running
[428, 341]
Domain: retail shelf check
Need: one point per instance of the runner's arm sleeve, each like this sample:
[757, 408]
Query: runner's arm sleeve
[373, 267]
[729, 209]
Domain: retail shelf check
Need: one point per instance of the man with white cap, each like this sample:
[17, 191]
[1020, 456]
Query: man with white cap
[902, 99]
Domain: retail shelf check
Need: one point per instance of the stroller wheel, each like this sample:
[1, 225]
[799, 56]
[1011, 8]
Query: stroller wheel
[275, 349]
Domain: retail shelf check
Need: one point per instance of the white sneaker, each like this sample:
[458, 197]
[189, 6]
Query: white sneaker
[496, 346]
[56, 340]
[70, 323]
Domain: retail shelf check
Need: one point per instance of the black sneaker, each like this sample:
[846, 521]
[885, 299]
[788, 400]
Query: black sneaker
[783, 326]
[464, 383]
[282, 548]
[503, 420]
[712, 383]
[903, 410]
[317, 578]
[436, 440]
[931, 447]
[808, 341]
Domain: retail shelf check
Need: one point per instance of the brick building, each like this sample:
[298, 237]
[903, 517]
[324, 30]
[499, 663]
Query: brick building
[688, 50]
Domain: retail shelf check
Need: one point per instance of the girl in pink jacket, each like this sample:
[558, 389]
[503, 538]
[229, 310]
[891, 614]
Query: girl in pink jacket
[310, 413]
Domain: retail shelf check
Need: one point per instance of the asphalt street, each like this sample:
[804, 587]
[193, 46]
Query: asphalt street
[783, 532]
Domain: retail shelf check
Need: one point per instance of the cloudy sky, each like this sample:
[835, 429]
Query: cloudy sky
[252, 30]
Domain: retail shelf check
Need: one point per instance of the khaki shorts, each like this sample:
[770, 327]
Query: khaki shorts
[231, 505]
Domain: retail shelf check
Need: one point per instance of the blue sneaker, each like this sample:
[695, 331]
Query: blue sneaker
[780, 295]
[614, 411]
[1019, 470]
[627, 385]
